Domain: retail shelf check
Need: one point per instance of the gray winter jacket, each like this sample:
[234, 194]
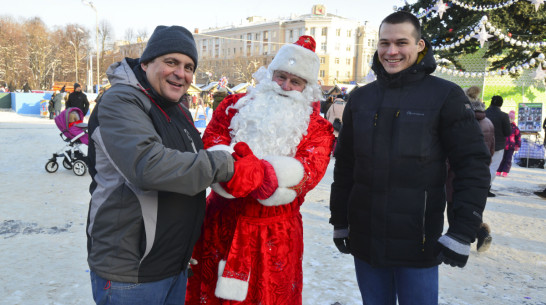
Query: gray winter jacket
[150, 173]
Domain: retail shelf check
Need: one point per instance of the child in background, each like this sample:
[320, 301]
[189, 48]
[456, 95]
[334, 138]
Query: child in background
[513, 143]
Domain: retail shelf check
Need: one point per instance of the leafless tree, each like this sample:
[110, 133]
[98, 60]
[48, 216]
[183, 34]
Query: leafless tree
[142, 35]
[13, 70]
[243, 68]
[130, 35]
[106, 33]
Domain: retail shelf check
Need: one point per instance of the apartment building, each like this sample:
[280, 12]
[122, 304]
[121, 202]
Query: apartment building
[345, 47]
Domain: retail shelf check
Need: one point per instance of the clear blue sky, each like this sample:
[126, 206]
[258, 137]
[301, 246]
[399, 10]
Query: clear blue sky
[137, 14]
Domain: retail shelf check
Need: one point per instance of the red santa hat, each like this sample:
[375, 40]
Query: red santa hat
[299, 59]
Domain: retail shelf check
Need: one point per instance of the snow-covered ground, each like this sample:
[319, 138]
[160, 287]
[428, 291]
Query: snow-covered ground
[43, 243]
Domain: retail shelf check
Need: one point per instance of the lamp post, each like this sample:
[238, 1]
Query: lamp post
[90, 4]
[75, 57]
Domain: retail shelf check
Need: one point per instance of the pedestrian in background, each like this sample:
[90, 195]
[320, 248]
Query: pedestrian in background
[218, 97]
[513, 143]
[58, 102]
[335, 116]
[78, 99]
[501, 121]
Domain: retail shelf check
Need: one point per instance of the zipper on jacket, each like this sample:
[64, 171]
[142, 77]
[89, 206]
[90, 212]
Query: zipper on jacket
[191, 140]
[424, 213]
[375, 118]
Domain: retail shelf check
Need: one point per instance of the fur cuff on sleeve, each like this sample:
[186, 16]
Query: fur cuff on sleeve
[289, 173]
[218, 189]
[221, 147]
[230, 288]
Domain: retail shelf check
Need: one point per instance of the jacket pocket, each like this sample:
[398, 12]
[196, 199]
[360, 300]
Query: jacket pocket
[413, 133]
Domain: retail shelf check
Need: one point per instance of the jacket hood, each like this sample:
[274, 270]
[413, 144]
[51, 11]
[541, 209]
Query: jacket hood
[425, 65]
[121, 72]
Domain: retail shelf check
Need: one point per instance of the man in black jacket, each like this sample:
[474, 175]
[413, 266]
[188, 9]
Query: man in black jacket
[78, 99]
[388, 196]
[501, 122]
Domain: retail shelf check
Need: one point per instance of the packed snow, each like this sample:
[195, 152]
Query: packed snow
[43, 244]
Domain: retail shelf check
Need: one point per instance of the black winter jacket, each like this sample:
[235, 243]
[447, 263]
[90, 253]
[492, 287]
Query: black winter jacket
[78, 99]
[501, 121]
[390, 170]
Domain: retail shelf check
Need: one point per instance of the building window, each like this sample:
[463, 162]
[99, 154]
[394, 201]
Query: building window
[274, 34]
[290, 35]
[338, 32]
[324, 31]
[337, 46]
[348, 74]
[322, 60]
[323, 46]
[312, 31]
[337, 74]
[257, 36]
[348, 48]
[349, 33]
[266, 35]
[234, 51]
[336, 60]
[249, 36]
[321, 73]
[348, 61]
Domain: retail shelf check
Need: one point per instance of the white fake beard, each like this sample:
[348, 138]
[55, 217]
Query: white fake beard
[270, 120]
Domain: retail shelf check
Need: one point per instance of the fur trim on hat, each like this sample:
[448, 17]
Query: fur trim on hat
[297, 60]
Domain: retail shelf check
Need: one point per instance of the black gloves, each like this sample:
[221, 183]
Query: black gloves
[454, 251]
[341, 239]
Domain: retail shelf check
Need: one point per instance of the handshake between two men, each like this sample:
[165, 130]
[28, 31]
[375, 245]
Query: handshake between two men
[252, 176]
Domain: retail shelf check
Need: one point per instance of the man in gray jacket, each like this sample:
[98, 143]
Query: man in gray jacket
[150, 173]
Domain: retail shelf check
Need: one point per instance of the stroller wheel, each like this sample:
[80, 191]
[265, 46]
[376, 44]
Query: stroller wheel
[79, 168]
[51, 166]
[66, 163]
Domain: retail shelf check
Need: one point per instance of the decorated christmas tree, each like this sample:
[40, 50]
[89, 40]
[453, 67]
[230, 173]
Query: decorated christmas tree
[509, 35]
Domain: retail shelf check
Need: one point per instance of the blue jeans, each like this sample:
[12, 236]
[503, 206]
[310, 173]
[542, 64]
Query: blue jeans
[382, 286]
[170, 291]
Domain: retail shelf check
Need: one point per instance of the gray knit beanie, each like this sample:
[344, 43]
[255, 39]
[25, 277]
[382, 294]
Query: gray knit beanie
[170, 39]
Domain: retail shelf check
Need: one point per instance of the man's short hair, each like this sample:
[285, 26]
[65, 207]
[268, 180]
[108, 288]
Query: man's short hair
[402, 17]
[497, 100]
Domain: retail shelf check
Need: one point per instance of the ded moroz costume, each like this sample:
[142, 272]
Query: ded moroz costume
[251, 248]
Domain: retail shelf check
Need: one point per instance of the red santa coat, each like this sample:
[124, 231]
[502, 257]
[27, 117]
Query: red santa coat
[256, 248]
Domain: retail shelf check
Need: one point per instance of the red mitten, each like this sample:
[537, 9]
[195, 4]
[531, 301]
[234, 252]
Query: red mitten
[248, 174]
[269, 185]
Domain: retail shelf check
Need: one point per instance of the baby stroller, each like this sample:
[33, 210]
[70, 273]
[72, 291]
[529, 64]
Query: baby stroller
[74, 133]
